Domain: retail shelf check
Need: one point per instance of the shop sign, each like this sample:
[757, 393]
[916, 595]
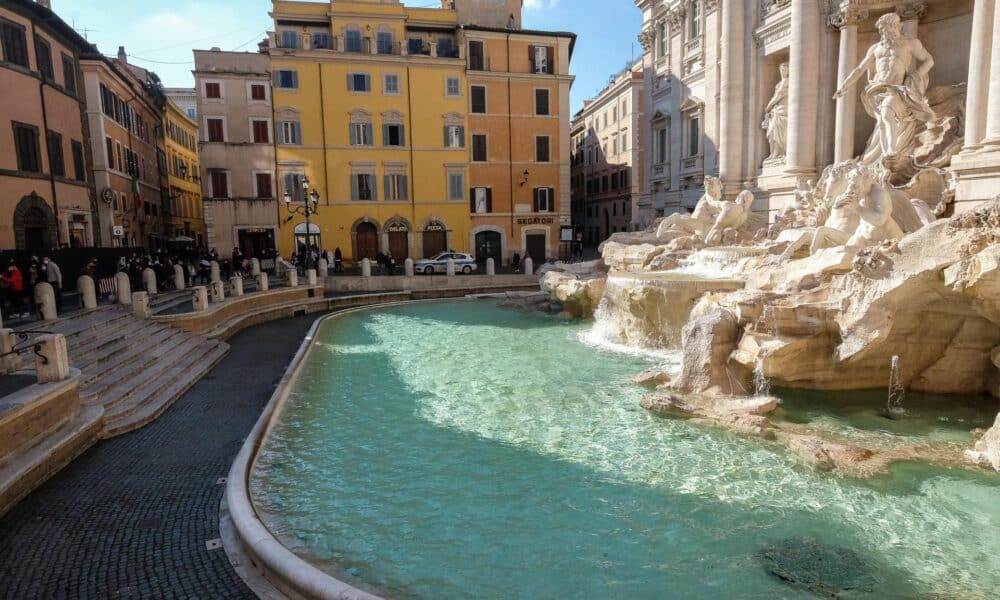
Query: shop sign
[535, 221]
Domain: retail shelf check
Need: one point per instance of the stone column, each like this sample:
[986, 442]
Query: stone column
[322, 267]
[979, 73]
[408, 267]
[123, 289]
[214, 271]
[529, 266]
[803, 88]
[8, 362]
[45, 299]
[732, 104]
[52, 359]
[366, 267]
[88, 295]
[254, 267]
[262, 284]
[199, 298]
[311, 276]
[140, 305]
[236, 285]
[293, 278]
[149, 280]
[847, 21]
[218, 291]
[178, 277]
[910, 17]
[450, 267]
[491, 268]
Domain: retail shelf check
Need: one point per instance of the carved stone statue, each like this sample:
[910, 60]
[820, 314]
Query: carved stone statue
[775, 124]
[732, 216]
[896, 93]
[700, 220]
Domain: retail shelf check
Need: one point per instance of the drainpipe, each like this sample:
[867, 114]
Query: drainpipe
[510, 150]
[326, 168]
[413, 178]
[45, 125]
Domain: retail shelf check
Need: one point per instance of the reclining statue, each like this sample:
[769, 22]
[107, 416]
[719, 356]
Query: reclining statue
[732, 216]
[700, 221]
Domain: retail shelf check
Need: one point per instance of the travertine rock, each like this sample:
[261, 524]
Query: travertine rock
[986, 452]
[578, 294]
[708, 339]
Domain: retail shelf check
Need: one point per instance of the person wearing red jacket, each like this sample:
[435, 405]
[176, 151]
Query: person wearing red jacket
[13, 285]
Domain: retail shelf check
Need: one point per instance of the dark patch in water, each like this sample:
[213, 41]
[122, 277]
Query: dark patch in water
[825, 570]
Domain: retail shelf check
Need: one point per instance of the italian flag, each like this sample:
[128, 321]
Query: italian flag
[135, 193]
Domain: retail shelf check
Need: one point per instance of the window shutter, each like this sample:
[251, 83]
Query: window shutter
[368, 82]
[489, 200]
[295, 79]
[472, 201]
[385, 136]
[549, 56]
[404, 188]
[445, 136]
[275, 79]
[297, 132]
[402, 135]
[534, 204]
[552, 199]
[531, 57]
[354, 187]
[350, 82]
[461, 136]
[369, 134]
[374, 182]
[387, 182]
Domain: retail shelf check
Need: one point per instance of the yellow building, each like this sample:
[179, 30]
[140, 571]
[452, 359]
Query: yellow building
[370, 104]
[182, 212]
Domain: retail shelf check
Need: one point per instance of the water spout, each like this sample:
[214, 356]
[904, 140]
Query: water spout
[762, 385]
[897, 392]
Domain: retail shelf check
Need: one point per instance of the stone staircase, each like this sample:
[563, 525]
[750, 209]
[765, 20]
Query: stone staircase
[135, 369]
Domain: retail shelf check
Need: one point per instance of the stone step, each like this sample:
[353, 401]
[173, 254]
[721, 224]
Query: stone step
[158, 395]
[167, 305]
[118, 358]
[99, 339]
[31, 468]
[115, 386]
[85, 321]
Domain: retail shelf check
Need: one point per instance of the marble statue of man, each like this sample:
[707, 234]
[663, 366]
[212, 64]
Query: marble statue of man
[897, 68]
[700, 220]
[775, 123]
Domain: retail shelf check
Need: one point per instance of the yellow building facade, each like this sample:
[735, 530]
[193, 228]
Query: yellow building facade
[182, 212]
[370, 106]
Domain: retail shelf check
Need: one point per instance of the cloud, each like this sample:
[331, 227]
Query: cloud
[539, 4]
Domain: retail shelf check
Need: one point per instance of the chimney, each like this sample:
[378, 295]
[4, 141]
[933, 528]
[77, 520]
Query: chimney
[121, 54]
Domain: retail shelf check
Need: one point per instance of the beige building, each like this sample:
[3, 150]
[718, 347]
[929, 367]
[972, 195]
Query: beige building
[185, 98]
[607, 144]
[237, 150]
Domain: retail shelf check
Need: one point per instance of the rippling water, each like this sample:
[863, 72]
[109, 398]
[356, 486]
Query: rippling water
[461, 450]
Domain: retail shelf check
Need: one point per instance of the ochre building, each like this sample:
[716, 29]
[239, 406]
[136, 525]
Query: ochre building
[183, 217]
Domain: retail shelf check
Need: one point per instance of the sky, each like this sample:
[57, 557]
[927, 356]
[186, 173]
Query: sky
[160, 35]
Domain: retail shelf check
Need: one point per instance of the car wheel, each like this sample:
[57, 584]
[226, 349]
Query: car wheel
[429, 270]
[466, 269]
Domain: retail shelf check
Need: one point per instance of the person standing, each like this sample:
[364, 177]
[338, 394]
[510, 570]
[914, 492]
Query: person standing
[54, 276]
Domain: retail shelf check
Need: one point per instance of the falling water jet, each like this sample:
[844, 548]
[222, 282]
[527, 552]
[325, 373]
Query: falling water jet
[894, 405]
[762, 385]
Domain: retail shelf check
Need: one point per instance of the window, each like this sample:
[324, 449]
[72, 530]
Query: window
[216, 130]
[352, 40]
[15, 43]
[541, 59]
[79, 167]
[446, 47]
[293, 185]
[286, 79]
[390, 84]
[478, 97]
[361, 134]
[456, 186]
[383, 42]
[542, 148]
[625, 140]
[694, 19]
[26, 146]
[393, 135]
[43, 58]
[258, 92]
[363, 186]
[482, 200]
[288, 39]
[263, 183]
[69, 73]
[454, 136]
[541, 102]
[289, 132]
[193, 113]
[543, 199]
[322, 40]
[359, 82]
[57, 165]
[415, 46]
[396, 187]
[694, 135]
[213, 90]
[660, 146]
[109, 147]
[451, 87]
[614, 146]
[479, 150]
[477, 60]
[260, 131]
[220, 184]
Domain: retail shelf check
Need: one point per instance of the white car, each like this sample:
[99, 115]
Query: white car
[464, 263]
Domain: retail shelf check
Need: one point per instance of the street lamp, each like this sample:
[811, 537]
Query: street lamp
[184, 171]
[310, 202]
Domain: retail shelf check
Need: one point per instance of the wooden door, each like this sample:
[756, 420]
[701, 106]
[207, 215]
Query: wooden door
[535, 243]
[488, 246]
[367, 237]
[435, 242]
[398, 246]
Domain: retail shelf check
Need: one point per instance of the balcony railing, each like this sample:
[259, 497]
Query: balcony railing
[365, 45]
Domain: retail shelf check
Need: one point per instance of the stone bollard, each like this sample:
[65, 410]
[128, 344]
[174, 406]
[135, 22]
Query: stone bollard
[322, 267]
[178, 277]
[293, 278]
[450, 267]
[199, 298]
[311, 276]
[123, 289]
[236, 286]
[149, 280]
[491, 268]
[261, 282]
[140, 305]
[8, 361]
[214, 267]
[254, 267]
[218, 292]
[45, 299]
[529, 266]
[408, 267]
[51, 360]
[88, 295]
[366, 267]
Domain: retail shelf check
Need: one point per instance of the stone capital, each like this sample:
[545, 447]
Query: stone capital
[675, 17]
[847, 17]
[912, 10]
[710, 5]
[646, 39]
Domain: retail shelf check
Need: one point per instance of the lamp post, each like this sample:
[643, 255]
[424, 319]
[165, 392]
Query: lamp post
[310, 202]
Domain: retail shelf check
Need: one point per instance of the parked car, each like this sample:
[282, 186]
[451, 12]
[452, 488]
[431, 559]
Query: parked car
[464, 263]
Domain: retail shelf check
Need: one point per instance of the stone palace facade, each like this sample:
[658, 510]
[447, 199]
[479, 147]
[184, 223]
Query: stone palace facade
[744, 89]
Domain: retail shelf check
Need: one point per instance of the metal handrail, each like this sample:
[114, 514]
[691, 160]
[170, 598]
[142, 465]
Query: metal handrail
[20, 349]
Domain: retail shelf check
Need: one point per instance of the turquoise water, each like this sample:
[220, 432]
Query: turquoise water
[461, 450]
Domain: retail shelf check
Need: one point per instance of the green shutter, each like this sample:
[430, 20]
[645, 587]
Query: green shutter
[374, 183]
[404, 188]
[461, 136]
[354, 187]
[385, 135]
[350, 82]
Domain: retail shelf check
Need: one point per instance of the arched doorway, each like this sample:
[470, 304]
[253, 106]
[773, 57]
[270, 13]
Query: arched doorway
[367, 239]
[488, 246]
[314, 237]
[435, 238]
[397, 236]
[34, 225]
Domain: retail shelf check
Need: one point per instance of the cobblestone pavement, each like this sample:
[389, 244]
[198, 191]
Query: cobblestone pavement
[131, 517]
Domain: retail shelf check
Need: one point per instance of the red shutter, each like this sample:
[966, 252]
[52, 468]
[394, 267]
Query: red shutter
[260, 133]
[550, 58]
[531, 57]
[264, 186]
[215, 130]
[257, 92]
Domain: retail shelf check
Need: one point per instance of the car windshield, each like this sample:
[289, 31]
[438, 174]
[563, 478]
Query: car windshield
[442, 256]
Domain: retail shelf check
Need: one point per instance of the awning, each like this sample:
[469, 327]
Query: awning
[182, 239]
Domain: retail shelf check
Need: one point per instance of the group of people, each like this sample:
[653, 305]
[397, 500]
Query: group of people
[17, 288]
